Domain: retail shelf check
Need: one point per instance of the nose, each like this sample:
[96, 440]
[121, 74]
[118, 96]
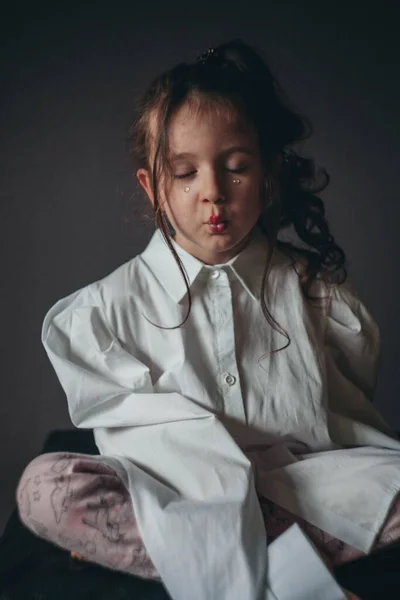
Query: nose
[212, 189]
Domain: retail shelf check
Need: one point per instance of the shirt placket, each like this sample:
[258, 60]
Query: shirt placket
[228, 374]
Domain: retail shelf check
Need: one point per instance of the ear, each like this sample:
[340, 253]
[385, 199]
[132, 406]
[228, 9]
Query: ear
[143, 176]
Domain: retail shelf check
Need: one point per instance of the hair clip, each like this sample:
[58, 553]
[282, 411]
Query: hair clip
[211, 52]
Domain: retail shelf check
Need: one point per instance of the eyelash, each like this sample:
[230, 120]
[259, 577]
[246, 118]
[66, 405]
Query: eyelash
[241, 170]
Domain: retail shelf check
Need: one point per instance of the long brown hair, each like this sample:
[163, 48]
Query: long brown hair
[234, 76]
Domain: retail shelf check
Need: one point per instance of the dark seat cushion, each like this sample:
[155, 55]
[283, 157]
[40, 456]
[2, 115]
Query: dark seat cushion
[32, 568]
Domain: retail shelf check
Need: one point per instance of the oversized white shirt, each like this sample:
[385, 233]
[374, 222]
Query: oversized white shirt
[190, 416]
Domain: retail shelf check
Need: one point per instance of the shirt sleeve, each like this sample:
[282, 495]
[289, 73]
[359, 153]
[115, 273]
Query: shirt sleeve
[353, 355]
[105, 385]
[293, 558]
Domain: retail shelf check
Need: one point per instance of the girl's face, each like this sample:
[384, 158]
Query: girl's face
[208, 152]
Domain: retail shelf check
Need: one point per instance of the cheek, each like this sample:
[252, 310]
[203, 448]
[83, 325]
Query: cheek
[249, 199]
[181, 207]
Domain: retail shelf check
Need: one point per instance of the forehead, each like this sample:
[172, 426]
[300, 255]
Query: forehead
[198, 125]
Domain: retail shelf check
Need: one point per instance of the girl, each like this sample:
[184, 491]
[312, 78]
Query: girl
[227, 373]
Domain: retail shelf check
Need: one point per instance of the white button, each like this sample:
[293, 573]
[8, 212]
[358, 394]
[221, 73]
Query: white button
[230, 379]
[215, 274]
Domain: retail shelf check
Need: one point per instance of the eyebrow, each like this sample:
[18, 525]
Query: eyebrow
[230, 150]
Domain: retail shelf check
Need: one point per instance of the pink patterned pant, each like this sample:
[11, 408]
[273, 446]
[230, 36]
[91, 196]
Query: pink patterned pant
[81, 504]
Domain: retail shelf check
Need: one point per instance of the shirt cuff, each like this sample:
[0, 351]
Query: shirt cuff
[297, 572]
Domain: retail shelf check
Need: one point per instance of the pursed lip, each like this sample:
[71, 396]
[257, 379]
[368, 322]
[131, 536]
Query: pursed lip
[215, 219]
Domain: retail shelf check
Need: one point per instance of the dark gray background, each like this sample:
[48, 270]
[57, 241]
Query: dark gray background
[69, 78]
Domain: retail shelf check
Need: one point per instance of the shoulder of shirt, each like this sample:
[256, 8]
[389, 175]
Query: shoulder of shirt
[292, 262]
[126, 282]
[123, 289]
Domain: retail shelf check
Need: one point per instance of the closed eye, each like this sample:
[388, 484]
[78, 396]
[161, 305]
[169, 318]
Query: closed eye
[185, 175]
[241, 170]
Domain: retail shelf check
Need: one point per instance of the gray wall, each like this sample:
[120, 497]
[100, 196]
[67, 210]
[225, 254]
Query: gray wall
[68, 84]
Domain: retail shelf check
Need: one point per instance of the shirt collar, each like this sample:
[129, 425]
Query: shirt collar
[248, 266]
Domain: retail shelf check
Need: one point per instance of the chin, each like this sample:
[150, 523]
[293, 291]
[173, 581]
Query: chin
[204, 244]
[227, 239]
[224, 244]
